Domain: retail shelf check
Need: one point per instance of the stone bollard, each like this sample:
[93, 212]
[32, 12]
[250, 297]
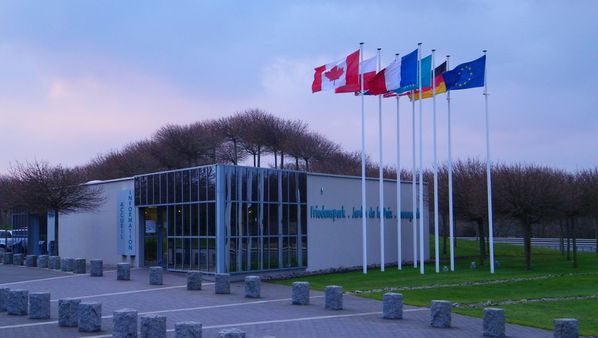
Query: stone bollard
[90, 317]
[16, 302]
[193, 280]
[300, 293]
[334, 297]
[222, 281]
[79, 265]
[66, 264]
[42, 261]
[8, 257]
[123, 271]
[68, 312]
[17, 259]
[231, 333]
[392, 306]
[96, 268]
[566, 328]
[253, 287]
[124, 323]
[440, 313]
[31, 261]
[39, 305]
[155, 275]
[152, 325]
[187, 330]
[494, 322]
[3, 298]
[54, 262]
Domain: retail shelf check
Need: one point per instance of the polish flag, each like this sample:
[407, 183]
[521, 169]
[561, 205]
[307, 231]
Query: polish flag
[368, 69]
[337, 74]
[387, 79]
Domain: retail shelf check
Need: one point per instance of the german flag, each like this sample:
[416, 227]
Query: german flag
[440, 85]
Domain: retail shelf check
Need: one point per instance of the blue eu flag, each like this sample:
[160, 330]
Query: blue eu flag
[408, 73]
[466, 75]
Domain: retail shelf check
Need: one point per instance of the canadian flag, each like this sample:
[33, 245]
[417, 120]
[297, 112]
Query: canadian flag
[337, 74]
[387, 79]
[368, 70]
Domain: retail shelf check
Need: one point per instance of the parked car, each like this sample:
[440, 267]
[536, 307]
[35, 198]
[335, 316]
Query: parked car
[13, 240]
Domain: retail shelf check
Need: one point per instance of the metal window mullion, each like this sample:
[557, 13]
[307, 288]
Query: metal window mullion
[279, 220]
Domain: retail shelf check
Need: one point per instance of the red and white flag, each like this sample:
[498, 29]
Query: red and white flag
[337, 74]
[368, 69]
[387, 79]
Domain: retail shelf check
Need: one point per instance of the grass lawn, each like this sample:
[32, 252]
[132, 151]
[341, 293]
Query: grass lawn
[552, 276]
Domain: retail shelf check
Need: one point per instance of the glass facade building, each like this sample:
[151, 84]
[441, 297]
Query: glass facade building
[223, 219]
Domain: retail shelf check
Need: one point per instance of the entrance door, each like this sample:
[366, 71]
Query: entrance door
[153, 236]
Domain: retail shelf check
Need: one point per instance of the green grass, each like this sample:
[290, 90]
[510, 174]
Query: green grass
[555, 277]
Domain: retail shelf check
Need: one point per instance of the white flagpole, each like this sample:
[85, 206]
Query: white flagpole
[363, 202]
[450, 177]
[381, 175]
[421, 164]
[399, 219]
[488, 174]
[436, 242]
[413, 184]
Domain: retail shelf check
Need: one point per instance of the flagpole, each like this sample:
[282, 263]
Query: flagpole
[413, 183]
[363, 202]
[436, 244]
[399, 219]
[450, 176]
[381, 174]
[421, 164]
[488, 174]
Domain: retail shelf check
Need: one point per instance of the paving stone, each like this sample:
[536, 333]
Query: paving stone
[90, 317]
[54, 262]
[42, 261]
[123, 271]
[68, 312]
[66, 264]
[222, 283]
[231, 333]
[333, 297]
[16, 302]
[392, 306]
[3, 298]
[124, 323]
[8, 258]
[566, 328]
[188, 330]
[31, 261]
[494, 322]
[253, 287]
[79, 265]
[300, 293]
[39, 305]
[152, 326]
[17, 259]
[440, 314]
[96, 268]
[193, 280]
[156, 275]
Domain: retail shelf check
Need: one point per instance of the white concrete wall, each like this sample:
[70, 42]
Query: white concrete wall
[338, 243]
[94, 234]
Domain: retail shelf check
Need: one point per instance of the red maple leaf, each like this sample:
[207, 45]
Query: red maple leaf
[335, 73]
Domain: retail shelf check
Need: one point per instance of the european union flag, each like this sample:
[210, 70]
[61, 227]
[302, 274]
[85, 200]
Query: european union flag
[408, 72]
[466, 75]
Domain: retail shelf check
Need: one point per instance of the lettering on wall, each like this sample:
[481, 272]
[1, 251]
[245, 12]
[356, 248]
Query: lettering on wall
[126, 223]
[334, 214]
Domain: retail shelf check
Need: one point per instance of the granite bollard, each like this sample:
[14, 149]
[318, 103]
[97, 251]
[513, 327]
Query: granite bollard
[231, 333]
[31, 261]
[54, 262]
[222, 283]
[440, 314]
[566, 328]
[494, 322]
[333, 297]
[17, 259]
[123, 271]
[90, 317]
[300, 293]
[124, 323]
[193, 280]
[152, 326]
[79, 265]
[3, 298]
[187, 330]
[42, 261]
[392, 306]
[66, 264]
[96, 268]
[253, 287]
[8, 258]
[16, 302]
[156, 275]
[39, 305]
[68, 312]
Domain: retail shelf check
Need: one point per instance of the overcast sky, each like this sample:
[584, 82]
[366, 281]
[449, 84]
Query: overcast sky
[80, 78]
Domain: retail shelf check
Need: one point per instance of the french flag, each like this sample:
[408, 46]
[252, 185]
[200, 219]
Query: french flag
[387, 79]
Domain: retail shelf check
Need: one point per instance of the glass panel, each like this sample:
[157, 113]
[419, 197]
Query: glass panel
[203, 219]
[211, 181]
[170, 188]
[252, 220]
[285, 219]
[185, 223]
[293, 219]
[303, 220]
[203, 185]
[171, 222]
[302, 187]
[211, 219]
[285, 186]
[273, 253]
[163, 188]
[194, 185]
[137, 191]
[186, 188]
[272, 186]
[272, 219]
[292, 187]
[194, 220]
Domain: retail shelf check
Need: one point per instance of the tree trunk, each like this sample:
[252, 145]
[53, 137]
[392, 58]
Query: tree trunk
[573, 234]
[254, 159]
[281, 160]
[307, 169]
[275, 159]
[259, 155]
[296, 163]
[527, 245]
[482, 239]
[235, 157]
[55, 251]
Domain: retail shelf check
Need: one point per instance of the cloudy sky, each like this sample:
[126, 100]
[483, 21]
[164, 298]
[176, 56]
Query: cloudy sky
[80, 78]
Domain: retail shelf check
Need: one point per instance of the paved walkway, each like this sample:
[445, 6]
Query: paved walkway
[270, 316]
